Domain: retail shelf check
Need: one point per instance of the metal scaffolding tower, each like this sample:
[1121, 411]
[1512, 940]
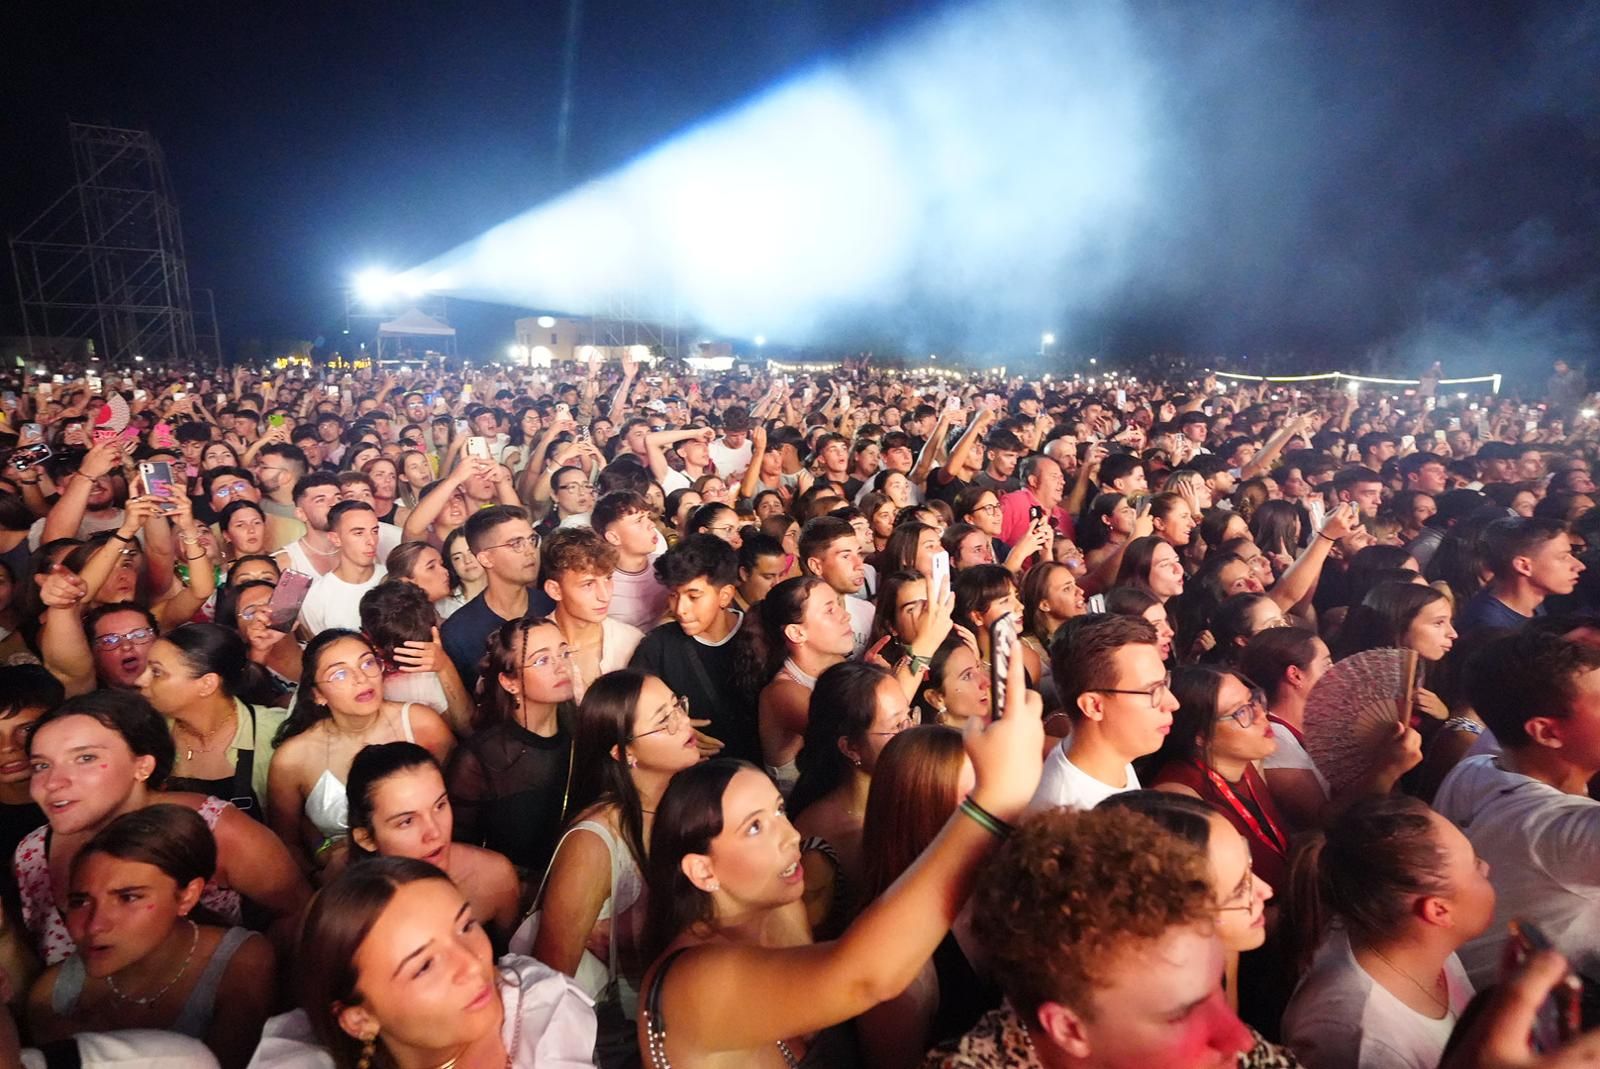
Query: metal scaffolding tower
[105, 261]
[628, 319]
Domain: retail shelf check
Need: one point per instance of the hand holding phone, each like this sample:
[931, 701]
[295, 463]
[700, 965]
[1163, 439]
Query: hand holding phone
[283, 608]
[478, 447]
[1559, 1017]
[940, 579]
[1002, 647]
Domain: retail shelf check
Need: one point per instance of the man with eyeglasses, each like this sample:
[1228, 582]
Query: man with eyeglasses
[503, 540]
[1113, 684]
[334, 599]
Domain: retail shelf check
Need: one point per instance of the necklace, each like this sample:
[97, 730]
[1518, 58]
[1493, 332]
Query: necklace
[1432, 996]
[111, 981]
[516, 1035]
[309, 548]
[204, 736]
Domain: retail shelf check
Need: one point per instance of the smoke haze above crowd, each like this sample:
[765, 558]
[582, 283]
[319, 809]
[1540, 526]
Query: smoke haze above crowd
[1225, 178]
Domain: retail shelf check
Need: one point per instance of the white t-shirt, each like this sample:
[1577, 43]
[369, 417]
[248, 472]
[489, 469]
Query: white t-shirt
[730, 463]
[1290, 754]
[861, 615]
[332, 602]
[1063, 783]
[675, 480]
[1340, 1018]
[618, 640]
[1543, 850]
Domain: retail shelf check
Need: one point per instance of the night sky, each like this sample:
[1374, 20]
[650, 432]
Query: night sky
[1413, 179]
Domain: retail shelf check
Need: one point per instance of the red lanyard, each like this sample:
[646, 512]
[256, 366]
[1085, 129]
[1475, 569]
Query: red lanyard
[1272, 835]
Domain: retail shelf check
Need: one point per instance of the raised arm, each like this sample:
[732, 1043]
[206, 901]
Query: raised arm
[734, 997]
[433, 502]
[66, 516]
[752, 473]
[1301, 577]
[1269, 452]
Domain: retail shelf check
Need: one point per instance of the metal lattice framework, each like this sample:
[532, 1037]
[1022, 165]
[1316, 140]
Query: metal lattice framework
[105, 261]
[628, 320]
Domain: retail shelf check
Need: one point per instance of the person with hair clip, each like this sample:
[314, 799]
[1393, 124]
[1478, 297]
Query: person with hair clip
[726, 909]
[921, 777]
[399, 808]
[806, 631]
[396, 973]
[856, 709]
[1241, 895]
[193, 677]
[339, 709]
[1392, 890]
[143, 960]
[510, 780]
[102, 755]
[1219, 732]
[633, 735]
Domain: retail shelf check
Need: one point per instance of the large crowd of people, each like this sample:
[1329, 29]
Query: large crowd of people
[487, 717]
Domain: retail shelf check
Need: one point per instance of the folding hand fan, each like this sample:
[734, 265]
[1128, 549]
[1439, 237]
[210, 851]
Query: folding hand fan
[1351, 712]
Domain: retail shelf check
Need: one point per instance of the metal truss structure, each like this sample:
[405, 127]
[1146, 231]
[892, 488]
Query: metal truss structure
[106, 260]
[628, 320]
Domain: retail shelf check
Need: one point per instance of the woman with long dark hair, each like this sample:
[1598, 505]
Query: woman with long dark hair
[633, 735]
[195, 676]
[399, 808]
[921, 777]
[511, 779]
[726, 889]
[856, 709]
[339, 710]
[1218, 733]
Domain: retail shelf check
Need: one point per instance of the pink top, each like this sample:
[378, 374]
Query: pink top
[31, 867]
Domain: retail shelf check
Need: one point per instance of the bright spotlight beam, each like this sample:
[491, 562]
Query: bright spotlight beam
[984, 164]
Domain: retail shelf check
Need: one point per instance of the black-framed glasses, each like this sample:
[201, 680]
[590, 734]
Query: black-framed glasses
[1248, 713]
[137, 637]
[677, 717]
[519, 544]
[1153, 692]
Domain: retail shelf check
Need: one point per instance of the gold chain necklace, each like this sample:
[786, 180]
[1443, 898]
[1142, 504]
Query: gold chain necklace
[1432, 997]
[204, 736]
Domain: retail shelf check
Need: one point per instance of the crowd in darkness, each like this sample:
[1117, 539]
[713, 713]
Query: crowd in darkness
[637, 717]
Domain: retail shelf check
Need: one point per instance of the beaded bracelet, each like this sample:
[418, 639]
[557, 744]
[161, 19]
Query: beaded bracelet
[985, 819]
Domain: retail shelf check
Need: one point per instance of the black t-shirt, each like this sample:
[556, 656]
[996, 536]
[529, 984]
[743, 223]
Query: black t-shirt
[507, 787]
[703, 674]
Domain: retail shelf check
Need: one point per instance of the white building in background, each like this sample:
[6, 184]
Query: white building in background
[551, 339]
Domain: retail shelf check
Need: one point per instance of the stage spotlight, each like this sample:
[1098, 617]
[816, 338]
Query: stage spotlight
[373, 286]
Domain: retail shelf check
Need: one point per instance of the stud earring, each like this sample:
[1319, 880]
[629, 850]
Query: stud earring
[715, 886]
[633, 762]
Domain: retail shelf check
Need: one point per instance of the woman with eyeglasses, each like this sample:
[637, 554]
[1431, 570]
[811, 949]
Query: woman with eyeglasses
[511, 780]
[97, 757]
[740, 980]
[1219, 732]
[244, 607]
[399, 808]
[633, 735]
[339, 709]
[716, 518]
[1241, 897]
[856, 709]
